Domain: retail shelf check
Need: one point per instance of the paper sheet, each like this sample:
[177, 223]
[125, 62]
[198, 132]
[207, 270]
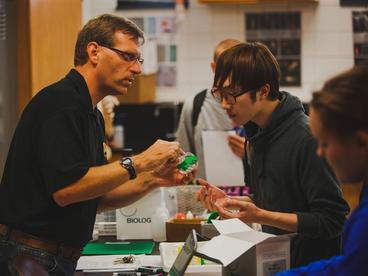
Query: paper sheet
[235, 238]
[222, 166]
[107, 262]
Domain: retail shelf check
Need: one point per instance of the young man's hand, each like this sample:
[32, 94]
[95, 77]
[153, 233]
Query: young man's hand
[235, 208]
[208, 194]
[236, 143]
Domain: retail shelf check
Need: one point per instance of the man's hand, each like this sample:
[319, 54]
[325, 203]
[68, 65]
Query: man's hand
[157, 155]
[208, 194]
[236, 144]
[234, 208]
[169, 175]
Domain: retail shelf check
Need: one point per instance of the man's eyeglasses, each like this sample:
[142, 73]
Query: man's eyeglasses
[128, 57]
[229, 94]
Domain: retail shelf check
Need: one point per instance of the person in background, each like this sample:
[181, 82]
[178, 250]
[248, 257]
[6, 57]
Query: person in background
[106, 106]
[56, 177]
[202, 112]
[339, 122]
[293, 189]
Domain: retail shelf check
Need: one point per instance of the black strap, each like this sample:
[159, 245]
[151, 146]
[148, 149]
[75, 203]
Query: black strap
[197, 106]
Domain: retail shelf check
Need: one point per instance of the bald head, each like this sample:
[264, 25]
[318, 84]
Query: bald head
[223, 46]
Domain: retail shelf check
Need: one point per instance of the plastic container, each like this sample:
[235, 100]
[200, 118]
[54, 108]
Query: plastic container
[118, 140]
[188, 162]
[158, 224]
[158, 220]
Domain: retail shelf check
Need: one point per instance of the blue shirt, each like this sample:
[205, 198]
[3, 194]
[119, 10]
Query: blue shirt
[354, 258]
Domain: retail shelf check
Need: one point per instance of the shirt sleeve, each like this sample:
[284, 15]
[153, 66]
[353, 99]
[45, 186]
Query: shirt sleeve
[327, 208]
[354, 258]
[62, 149]
[184, 133]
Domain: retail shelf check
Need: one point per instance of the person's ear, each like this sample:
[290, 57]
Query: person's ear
[362, 139]
[213, 66]
[264, 91]
[93, 50]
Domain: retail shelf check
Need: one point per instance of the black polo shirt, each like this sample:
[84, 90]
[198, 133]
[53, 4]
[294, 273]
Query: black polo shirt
[58, 138]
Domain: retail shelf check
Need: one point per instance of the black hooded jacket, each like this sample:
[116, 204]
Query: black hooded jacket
[286, 175]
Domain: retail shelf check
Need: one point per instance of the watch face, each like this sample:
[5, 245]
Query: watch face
[127, 161]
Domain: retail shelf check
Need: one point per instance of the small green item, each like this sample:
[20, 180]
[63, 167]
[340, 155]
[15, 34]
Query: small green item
[212, 216]
[188, 163]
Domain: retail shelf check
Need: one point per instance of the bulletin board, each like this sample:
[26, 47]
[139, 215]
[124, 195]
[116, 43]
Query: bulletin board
[360, 36]
[281, 33]
[162, 29]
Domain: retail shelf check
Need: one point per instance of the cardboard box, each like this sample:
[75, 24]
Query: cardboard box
[244, 251]
[143, 90]
[177, 230]
[264, 259]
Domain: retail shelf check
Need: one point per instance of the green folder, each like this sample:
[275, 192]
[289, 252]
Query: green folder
[119, 248]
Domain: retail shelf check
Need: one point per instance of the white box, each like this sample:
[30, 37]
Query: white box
[134, 221]
[264, 259]
[244, 251]
[169, 252]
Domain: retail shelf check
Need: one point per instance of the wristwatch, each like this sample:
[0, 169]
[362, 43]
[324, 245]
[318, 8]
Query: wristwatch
[127, 163]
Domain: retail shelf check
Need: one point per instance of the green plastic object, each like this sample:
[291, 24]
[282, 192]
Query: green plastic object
[212, 216]
[119, 248]
[188, 162]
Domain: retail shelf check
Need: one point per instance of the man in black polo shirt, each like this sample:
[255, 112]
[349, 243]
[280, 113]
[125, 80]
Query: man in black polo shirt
[56, 176]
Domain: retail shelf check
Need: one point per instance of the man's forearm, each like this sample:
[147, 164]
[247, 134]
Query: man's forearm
[96, 182]
[127, 193]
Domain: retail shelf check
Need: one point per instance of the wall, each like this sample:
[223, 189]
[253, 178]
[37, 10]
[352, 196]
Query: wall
[327, 46]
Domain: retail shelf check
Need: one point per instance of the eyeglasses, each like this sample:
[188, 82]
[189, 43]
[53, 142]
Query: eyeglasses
[227, 93]
[128, 57]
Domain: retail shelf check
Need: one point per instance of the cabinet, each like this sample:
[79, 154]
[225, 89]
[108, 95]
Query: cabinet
[46, 35]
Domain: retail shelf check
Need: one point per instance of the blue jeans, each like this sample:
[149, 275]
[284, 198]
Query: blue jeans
[55, 265]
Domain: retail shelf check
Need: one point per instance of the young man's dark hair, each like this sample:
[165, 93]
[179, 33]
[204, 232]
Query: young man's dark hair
[101, 30]
[255, 66]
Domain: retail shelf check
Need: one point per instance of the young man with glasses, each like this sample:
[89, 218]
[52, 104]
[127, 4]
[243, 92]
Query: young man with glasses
[56, 177]
[293, 190]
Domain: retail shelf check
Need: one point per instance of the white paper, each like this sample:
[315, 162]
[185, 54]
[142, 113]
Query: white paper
[228, 226]
[150, 260]
[225, 249]
[222, 166]
[105, 263]
[235, 238]
[149, 51]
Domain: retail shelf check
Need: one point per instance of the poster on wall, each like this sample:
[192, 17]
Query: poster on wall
[348, 3]
[160, 31]
[360, 36]
[281, 33]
